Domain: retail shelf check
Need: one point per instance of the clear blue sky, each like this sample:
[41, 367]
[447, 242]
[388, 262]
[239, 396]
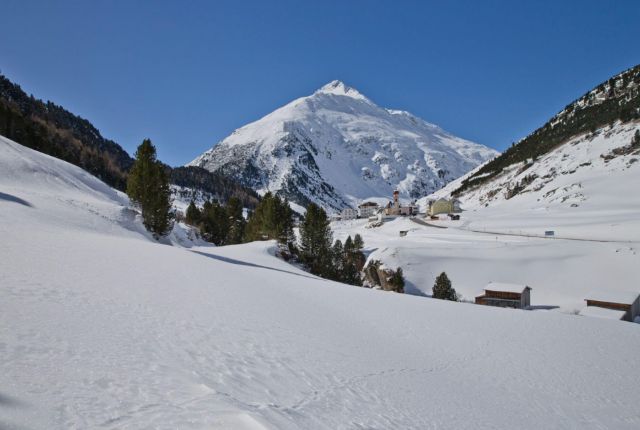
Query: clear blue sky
[187, 73]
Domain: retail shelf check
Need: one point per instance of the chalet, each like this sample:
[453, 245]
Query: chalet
[619, 305]
[505, 295]
[444, 206]
[348, 213]
[367, 209]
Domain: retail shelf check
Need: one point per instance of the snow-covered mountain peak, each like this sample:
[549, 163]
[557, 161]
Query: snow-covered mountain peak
[339, 88]
[336, 147]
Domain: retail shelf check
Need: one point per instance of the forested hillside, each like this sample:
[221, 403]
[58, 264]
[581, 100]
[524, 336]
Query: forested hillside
[216, 184]
[49, 128]
[617, 99]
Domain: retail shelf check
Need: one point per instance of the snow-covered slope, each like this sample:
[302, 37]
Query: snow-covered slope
[579, 190]
[102, 327]
[336, 147]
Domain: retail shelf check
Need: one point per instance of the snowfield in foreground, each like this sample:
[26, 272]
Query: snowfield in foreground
[100, 327]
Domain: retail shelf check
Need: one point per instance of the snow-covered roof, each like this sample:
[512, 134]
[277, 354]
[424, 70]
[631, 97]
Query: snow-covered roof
[598, 312]
[614, 296]
[506, 287]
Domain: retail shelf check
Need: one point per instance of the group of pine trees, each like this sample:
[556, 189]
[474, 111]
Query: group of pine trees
[324, 257]
[219, 224]
[271, 219]
[226, 225]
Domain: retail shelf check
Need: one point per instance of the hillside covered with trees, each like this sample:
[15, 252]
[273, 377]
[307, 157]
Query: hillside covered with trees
[53, 130]
[617, 99]
[49, 128]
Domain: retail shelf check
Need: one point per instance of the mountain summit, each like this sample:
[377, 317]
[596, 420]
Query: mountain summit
[336, 147]
[339, 88]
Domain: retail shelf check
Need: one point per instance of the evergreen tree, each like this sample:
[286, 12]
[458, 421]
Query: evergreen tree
[214, 223]
[271, 219]
[236, 222]
[148, 187]
[285, 223]
[358, 243]
[315, 240]
[442, 288]
[353, 260]
[337, 256]
[192, 216]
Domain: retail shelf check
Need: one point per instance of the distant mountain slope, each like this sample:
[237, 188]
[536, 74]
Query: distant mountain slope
[586, 188]
[615, 101]
[336, 146]
[51, 129]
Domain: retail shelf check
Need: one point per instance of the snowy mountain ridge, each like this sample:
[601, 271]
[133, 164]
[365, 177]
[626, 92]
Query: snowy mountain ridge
[336, 147]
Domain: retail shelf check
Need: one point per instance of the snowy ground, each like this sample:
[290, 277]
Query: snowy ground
[560, 272]
[591, 204]
[101, 327]
[577, 192]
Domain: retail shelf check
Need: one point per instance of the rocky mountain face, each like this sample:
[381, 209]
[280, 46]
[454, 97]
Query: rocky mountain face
[336, 147]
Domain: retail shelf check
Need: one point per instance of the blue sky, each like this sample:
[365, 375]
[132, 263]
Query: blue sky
[186, 74]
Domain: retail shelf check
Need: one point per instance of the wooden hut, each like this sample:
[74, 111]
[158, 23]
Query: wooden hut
[624, 304]
[505, 295]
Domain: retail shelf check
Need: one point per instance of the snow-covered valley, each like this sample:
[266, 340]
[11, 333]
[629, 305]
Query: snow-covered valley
[562, 273]
[102, 327]
[586, 200]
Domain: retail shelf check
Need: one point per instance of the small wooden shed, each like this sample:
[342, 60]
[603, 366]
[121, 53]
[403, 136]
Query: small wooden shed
[505, 295]
[627, 302]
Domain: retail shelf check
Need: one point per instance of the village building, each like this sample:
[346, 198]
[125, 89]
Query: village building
[444, 206]
[395, 208]
[505, 295]
[367, 209]
[619, 305]
[348, 213]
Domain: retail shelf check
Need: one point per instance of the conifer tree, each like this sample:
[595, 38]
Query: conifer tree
[358, 243]
[214, 223]
[442, 288]
[337, 255]
[315, 240]
[148, 187]
[192, 215]
[236, 222]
